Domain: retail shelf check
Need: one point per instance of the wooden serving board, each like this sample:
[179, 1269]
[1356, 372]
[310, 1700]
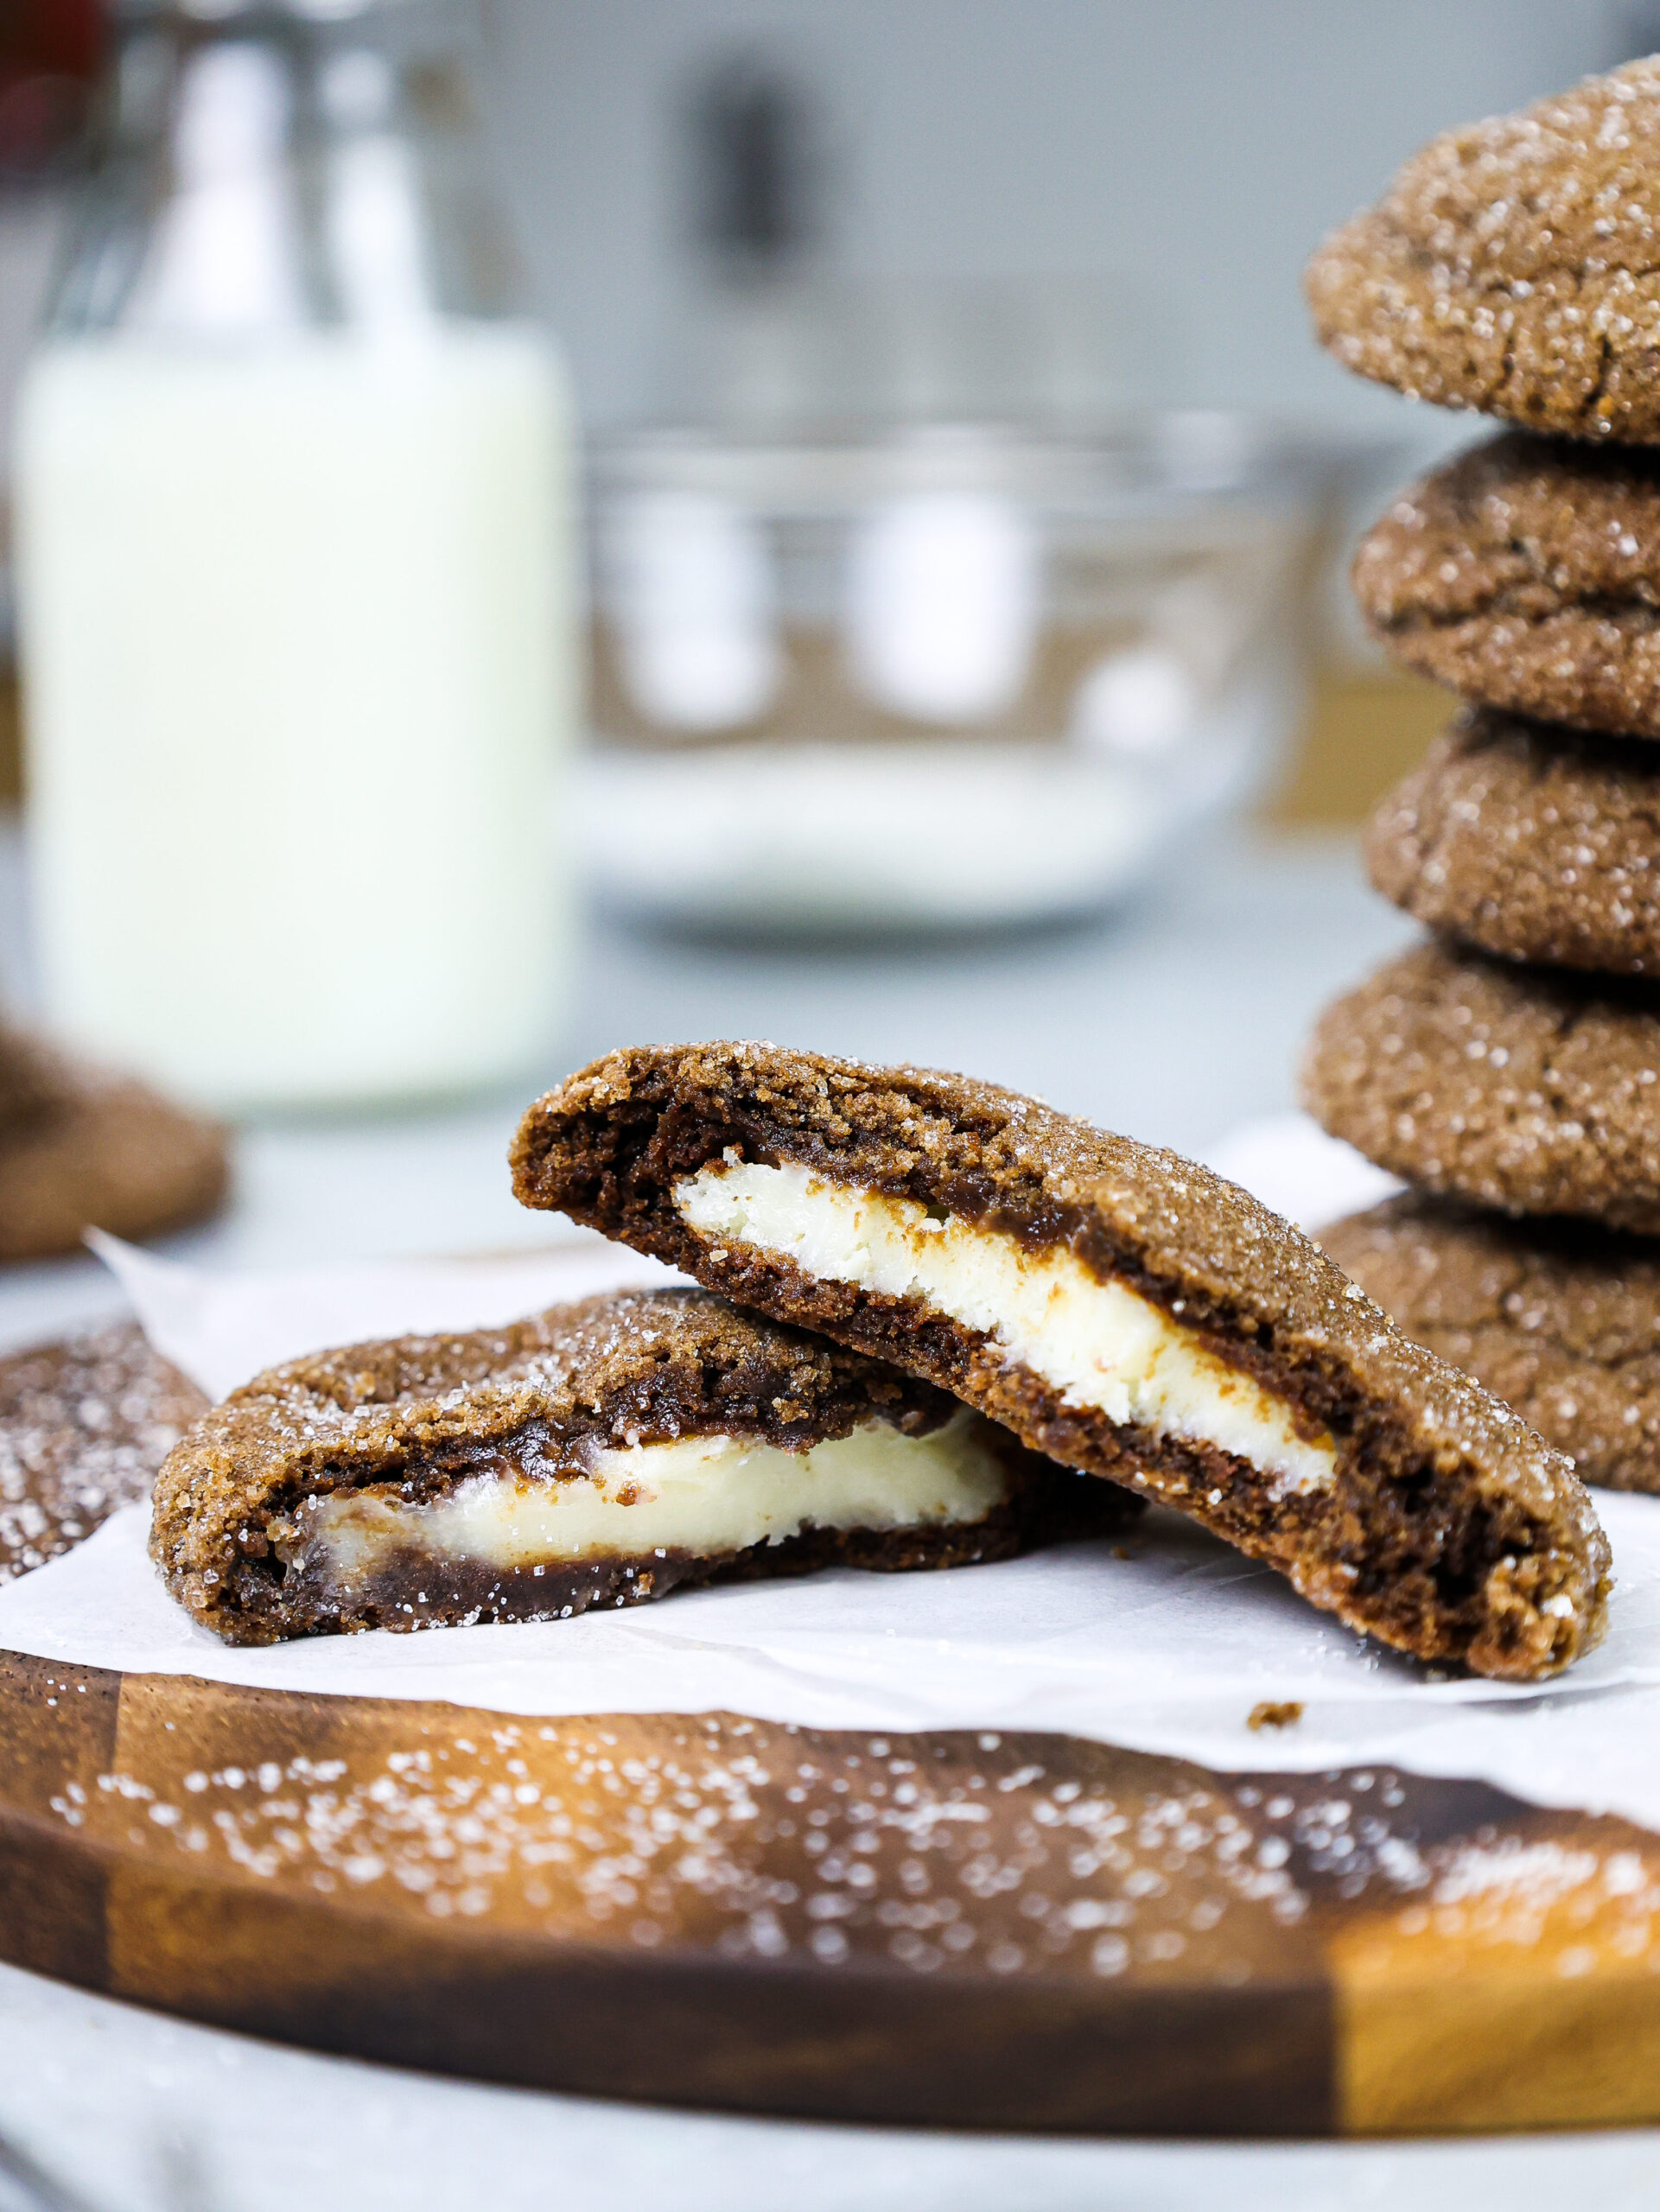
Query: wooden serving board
[957, 1928]
[952, 1929]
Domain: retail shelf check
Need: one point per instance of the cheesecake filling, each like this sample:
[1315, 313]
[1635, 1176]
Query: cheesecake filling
[1100, 1344]
[697, 1495]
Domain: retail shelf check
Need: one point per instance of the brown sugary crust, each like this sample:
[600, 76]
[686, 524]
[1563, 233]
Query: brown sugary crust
[84, 1425]
[1526, 574]
[410, 1418]
[80, 1149]
[1560, 1320]
[1513, 266]
[1530, 1090]
[1449, 1530]
[1531, 842]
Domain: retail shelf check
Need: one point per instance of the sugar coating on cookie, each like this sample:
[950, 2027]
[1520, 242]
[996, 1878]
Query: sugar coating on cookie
[1118, 1307]
[1530, 841]
[1526, 574]
[1531, 1089]
[1560, 1320]
[1513, 266]
[600, 1454]
[85, 1422]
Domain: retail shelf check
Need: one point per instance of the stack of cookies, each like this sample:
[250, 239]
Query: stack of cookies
[1509, 1068]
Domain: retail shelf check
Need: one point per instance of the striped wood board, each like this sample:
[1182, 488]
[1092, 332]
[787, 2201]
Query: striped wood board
[951, 1928]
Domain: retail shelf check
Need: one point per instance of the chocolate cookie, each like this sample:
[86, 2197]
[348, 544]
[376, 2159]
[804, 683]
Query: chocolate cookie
[1512, 266]
[1529, 843]
[84, 1425]
[1526, 574]
[1520, 1088]
[597, 1454]
[82, 1149]
[1116, 1306]
[1560, 1320]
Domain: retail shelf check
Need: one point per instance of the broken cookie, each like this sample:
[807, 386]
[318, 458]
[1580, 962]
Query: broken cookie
[599, 1454]
[1117, 1307]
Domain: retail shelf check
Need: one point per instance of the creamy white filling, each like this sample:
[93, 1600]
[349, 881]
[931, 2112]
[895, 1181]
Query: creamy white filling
[700, 1494]
[1100, 1344]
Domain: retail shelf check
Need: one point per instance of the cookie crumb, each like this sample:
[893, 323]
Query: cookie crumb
[1269, 1715]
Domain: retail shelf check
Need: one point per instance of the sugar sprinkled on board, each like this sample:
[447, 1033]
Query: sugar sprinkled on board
[933, 1853]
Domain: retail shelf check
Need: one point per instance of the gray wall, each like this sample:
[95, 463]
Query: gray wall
[1196, 148]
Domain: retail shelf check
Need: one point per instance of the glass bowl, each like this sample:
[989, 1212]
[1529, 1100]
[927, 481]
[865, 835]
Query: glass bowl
[948, 678]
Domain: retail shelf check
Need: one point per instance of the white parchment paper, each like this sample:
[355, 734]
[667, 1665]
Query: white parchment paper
[1167, 1647]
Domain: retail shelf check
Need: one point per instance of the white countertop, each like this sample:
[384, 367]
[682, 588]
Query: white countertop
[142, 2113]
[1173, 1021]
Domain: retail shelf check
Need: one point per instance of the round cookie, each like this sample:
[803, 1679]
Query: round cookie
[80, 1148]
[1513, 266]
[1529, 843]
[1560, 1320]
[1526, 574]
[1526, 1089]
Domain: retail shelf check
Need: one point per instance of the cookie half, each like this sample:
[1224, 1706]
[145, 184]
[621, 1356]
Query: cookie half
[1560, 1320]
[1118, 1307]
[1530, 841]
[83, 1149]
[599, 1454]
[1526, 574]
[1526, 1089]
[1511, 266]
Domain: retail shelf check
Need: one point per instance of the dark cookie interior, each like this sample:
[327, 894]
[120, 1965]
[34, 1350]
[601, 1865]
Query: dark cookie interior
[1447, 1530]
[410, 1590]
[412, 1419]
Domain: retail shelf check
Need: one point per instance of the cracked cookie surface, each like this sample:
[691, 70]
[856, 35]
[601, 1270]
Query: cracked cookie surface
[1530, 841]
[1560, 1320]
[1525, 574]
[1513, 266]
[85, 1422]
[1530, 1090]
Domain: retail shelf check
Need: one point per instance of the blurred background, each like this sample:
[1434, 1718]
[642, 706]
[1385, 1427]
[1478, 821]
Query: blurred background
[767, 217]
[532, 523]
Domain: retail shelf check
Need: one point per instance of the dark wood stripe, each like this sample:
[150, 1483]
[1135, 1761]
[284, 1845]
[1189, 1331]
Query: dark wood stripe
[949, 1928]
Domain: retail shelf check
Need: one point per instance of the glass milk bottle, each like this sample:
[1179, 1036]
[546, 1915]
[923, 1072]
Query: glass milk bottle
[295, 579]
